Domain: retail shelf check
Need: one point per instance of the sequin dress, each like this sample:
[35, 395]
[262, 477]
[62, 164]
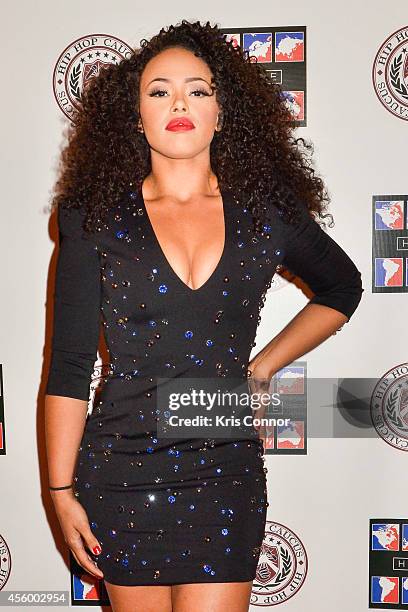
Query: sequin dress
[169, 511]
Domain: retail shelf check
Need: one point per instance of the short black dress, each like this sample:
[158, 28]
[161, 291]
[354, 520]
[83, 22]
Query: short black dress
[174, 510]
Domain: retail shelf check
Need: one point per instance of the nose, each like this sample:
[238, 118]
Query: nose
[179, 105]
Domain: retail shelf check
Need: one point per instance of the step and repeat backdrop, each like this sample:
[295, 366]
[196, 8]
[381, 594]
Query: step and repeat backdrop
[337, 525]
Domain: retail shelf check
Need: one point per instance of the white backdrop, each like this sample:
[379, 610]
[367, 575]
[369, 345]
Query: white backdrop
[326, 496]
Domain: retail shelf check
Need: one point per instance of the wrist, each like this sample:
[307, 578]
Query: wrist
[62, 494]
[61, 490]
[260, 371]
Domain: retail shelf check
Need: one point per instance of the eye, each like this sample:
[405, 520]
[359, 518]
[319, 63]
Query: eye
[205, 93]
[156, 91]
[163, 91]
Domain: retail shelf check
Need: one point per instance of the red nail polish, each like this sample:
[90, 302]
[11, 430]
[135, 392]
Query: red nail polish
[96, 550]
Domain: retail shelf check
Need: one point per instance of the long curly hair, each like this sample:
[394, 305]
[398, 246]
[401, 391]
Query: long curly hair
[255, 155]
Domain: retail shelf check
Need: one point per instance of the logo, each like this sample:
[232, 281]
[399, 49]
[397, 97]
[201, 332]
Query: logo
[282, 566]
[282, 54]
[389, 407]
[390, 244]
[5, 562]
[2, 418]
[290, 384]
[79, 63]
[86, 589]
[390, 73]
[388, 564]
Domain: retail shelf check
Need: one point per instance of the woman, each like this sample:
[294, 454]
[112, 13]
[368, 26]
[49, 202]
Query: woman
[182, 191]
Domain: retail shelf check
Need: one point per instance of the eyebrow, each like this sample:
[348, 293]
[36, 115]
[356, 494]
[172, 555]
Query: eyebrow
[187, 80]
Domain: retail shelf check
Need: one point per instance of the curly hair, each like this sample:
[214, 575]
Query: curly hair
[255, 155]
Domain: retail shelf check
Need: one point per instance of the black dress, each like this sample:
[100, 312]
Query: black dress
[168, 510]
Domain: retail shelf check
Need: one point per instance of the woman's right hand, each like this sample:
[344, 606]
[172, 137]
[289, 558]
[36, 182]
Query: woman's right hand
[75, 527]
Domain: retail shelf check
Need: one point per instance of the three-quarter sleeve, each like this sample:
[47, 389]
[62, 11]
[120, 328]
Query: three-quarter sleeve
[312, 255]
[77, 313]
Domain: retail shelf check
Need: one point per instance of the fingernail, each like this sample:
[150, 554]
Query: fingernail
[96, 550]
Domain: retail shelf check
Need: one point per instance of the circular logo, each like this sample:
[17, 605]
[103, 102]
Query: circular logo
[389, 407]
[79, 63]
[5, 562]
[282, 566]
[390, 73]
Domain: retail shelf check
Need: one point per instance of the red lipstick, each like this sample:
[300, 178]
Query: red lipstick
[181, 123]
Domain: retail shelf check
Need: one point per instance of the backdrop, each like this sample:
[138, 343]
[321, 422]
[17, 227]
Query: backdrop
[337, 515]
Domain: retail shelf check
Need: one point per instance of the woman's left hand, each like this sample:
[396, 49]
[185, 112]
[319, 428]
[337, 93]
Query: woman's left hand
[258, 370]
[259, 383]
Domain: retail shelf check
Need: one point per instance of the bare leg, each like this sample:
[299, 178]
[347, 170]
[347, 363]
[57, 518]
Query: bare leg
[139, 598]
[214, 597]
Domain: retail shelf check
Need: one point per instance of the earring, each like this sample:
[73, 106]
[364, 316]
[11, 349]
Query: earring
[218, 127]
[140, 127]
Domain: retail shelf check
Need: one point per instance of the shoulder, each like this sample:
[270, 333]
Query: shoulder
[70, 222]
[301, 219]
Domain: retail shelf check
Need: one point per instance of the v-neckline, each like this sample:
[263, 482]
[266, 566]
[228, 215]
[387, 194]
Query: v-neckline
[219, 266]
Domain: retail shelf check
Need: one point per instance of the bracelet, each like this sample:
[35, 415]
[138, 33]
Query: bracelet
[59, 488]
